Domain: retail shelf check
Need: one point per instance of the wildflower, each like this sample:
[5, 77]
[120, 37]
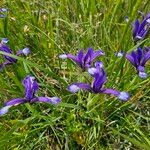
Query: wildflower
[119, 54]
[83, 60]
[138, 59]
[9, 59]
[126, 18]
[99, 76]
[141, 29]
[31, 87]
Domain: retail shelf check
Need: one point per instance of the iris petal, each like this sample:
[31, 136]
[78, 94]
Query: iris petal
[131, 59]
[96, 54]
[135, 27]
[73, 88]
[52, 100]
[142, 75]
[31, 87]
[4, 110]
[11, 103]
[24, 51]
[15, 102]
[124, 96]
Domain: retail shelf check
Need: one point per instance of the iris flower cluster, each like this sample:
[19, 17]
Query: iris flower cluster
[99, 79]
[139, 57]
[141, 29]
[97, 72]
[31, 87]
[9, 60]
[85, 61]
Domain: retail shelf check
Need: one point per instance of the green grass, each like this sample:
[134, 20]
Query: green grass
[82, 120]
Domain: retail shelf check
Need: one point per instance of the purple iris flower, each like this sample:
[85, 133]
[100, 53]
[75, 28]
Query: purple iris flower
[138, 59]
[10, 60]
[99, 75]
[141, 29]
[31, 87]
[83, 60]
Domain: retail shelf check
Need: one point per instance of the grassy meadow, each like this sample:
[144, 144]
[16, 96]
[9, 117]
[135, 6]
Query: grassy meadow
[82, 121]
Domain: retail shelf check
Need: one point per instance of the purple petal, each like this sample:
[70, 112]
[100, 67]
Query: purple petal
[139, 54]
[52, 100]
[142, 75]
[15, 102]
[63, 56]
[99, 80]
[4, 41]
[73, 88]
[111, 91]
[99, 65]
[142, 25]
[11, 103]
[134, 55]
[80, 58]
[131, 59]
[31, 87]
[72, 57]
[96, 54]
[92, 71]
[143, 33]
[146, 58]
[88, 56]
[6, 49]
[24, 51]
[69, 56]
[141, 68]
[135, 27]
[124, 96]
[4, 110]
